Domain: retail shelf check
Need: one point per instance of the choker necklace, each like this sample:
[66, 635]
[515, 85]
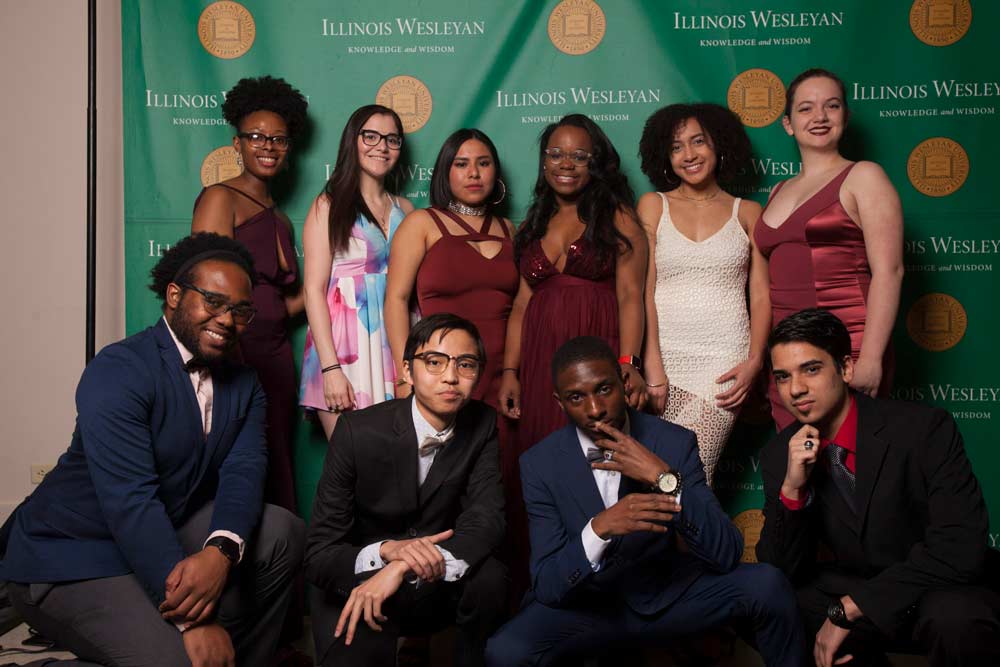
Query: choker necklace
[462, 209]
[709, 198]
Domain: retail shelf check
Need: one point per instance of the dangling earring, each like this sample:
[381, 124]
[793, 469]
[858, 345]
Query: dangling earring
[721, 160]
[502, 194]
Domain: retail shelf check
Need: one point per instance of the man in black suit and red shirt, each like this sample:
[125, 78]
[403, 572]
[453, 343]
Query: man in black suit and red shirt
[873, 511]
[409, 511]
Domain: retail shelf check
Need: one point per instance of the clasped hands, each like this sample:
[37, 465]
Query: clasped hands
[419, 555]
[636, 512]
[193, 589]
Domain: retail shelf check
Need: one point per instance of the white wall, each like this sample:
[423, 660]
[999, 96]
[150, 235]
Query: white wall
[43, 177]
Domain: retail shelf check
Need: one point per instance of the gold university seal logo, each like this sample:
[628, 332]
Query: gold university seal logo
[757, 96]
[226, 29]
[938, 167]
[577, 26]
[220, 165]
[750, 524]
[410, 98]
[940, 22]
[936, 322]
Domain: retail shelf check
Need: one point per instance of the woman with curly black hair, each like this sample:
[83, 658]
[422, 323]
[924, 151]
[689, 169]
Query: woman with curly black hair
[582, 259]
[703, 350]
[267, 114]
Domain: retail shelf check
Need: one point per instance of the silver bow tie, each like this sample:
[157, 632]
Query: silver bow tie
[431, 443]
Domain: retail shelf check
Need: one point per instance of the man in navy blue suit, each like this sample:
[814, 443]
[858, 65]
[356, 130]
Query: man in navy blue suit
[148, 543]
[628, 544]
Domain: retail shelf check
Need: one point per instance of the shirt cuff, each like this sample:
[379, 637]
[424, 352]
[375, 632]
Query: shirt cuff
[454, 568]
[796, 505]
[593, 546]
[229, 535]
[369, 559]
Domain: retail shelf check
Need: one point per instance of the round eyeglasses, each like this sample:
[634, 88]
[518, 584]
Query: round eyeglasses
[259, 140]
[217, 305]
[579, 158]
[466, 365]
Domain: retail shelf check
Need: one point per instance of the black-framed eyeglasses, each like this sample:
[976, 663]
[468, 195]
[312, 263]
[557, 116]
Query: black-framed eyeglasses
[579, 157]
[372, 138]
[216, 305]
[466, 365]
[259, 140]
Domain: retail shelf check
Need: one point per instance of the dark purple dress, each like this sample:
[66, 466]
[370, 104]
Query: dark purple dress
[265, 344]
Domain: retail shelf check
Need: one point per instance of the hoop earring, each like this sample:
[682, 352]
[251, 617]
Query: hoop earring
[502, 194]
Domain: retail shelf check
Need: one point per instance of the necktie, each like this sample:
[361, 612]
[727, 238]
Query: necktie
[842, 477]
[431, 443]
[596, 455]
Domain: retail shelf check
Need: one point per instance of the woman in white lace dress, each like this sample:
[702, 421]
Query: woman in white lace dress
[704, 342]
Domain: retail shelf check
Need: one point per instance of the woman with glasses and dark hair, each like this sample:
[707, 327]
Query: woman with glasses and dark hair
[703, 349]
[833, 235]
[268, 114]
[349, 227]
[582, 258]
[457, 255]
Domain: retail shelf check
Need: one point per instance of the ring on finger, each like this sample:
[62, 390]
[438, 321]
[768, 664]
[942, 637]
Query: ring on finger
[608, 454]
[809, 444]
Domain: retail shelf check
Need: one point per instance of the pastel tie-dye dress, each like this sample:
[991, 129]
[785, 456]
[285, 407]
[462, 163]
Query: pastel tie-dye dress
[355, 297]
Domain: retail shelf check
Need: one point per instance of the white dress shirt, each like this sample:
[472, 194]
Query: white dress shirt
[369, 558]
[608, 482]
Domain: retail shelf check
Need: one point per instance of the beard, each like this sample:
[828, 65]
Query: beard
[187, 332]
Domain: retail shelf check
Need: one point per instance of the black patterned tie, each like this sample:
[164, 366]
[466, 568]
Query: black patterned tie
[597, 455]
[842, 476]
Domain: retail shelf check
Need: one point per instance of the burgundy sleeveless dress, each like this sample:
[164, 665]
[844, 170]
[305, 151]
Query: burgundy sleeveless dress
[455, 278]
[264, 344]
[816, 258]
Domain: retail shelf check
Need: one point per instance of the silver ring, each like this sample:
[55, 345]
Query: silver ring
[809, 445]
[608, 453]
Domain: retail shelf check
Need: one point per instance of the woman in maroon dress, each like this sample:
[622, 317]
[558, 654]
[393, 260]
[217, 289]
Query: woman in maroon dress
[582, 258]
[457, 255]
[833, 235]
[267, 114]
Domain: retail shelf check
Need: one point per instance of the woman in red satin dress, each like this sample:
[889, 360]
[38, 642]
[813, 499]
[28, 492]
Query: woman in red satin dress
[833, 235]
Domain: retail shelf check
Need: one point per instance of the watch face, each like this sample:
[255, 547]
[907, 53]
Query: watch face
[667, 483]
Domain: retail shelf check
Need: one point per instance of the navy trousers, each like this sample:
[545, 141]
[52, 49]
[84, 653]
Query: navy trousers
[755, 596]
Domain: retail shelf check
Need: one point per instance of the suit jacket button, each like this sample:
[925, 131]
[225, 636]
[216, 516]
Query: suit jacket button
[412, 532]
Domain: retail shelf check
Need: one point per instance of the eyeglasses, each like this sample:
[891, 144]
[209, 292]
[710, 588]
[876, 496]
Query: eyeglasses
[579, 158]
[243, 313]
[259, 140]
[372, 138]
[466, 365]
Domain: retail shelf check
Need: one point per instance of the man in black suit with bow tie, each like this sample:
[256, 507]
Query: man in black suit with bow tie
[873, 511]
[409, 511]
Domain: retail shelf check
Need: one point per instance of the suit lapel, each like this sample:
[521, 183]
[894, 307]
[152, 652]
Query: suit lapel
[445, 459]
[404, 452]
[576, 474]
[871, 451]
[179, 377]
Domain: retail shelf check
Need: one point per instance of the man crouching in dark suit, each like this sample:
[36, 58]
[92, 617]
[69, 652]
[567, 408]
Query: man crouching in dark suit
[882, 491]
[628, 544]
[149, 543]
[409, 511]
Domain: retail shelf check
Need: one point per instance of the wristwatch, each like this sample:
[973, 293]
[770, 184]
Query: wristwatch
[668, 482]
[835, 612]
[228, 547]
[635, 361]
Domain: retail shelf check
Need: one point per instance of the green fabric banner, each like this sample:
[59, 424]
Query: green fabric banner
[922, 87]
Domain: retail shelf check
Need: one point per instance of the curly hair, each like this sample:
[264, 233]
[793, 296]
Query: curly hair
[725, 133]
[266, 93]
[178, 264]
[605, 196]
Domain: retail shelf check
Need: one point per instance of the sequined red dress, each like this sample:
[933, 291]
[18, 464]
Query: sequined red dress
[816, 258]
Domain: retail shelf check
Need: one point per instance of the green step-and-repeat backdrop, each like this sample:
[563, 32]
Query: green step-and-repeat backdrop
[923, 86]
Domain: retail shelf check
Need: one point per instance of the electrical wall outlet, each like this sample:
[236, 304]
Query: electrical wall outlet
[39, 471]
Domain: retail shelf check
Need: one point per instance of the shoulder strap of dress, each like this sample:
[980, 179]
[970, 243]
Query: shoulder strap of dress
[841, 177]
[443, 228]
[462, 223]
[237, 190]
[736, 207]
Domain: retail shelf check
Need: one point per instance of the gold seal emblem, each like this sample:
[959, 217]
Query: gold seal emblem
[757, 96]
[937, 321]
[410, 98]
[938, 167]
[226, 29]
[940, 22]
[220, 165]
[577, 26]
[750, 523]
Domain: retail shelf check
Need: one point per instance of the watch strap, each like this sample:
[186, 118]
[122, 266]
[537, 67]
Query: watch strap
[229, 548]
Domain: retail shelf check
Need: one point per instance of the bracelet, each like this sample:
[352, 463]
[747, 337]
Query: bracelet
[509, 369]
[331, 367]
[656, 386]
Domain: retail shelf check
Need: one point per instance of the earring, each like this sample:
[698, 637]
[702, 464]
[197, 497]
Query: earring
[502, 194]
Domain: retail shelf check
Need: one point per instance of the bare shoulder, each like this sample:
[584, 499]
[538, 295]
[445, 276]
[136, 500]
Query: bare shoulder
[865, 175]
[650, 210]
[405, 204]
[749, 213]
[511, 229]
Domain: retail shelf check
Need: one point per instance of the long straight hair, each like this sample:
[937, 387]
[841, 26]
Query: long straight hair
[441, 194]
[607, 194]
[343, 188]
